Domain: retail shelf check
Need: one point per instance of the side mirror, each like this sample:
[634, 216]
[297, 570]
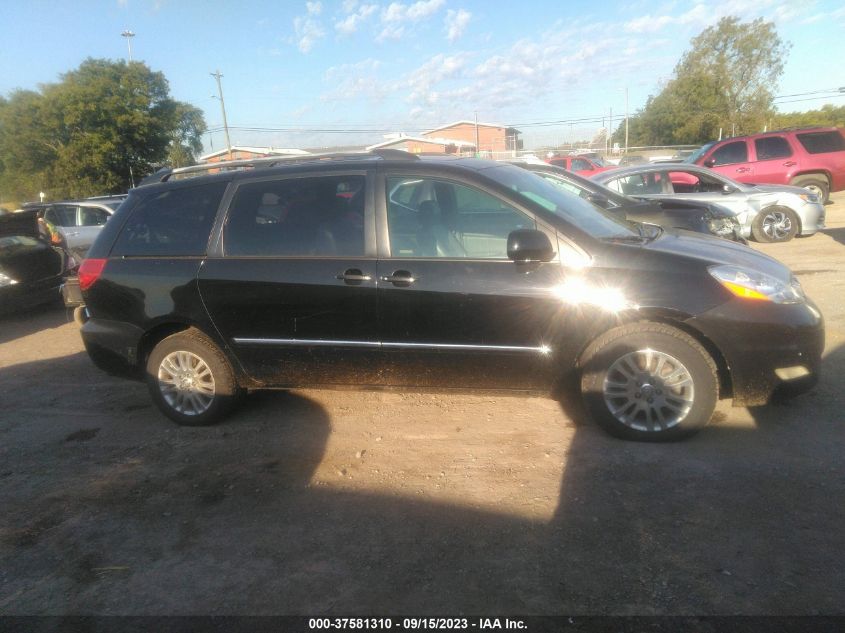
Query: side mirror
[529, 245]
[710, 162]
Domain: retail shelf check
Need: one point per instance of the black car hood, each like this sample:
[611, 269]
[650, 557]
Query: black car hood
[715, 251]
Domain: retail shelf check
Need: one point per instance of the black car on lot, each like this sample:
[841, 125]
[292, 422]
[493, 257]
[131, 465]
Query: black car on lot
[675, 213]
[389, 269]
[31, 268]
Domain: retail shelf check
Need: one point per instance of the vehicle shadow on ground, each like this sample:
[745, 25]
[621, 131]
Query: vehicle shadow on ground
[149, 518]
[25, 322]
[838, 234]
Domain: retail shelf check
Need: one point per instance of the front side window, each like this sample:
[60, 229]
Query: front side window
[429, 217]
[694, 182]
[729, 153]
[321, 216]
[61, 215]
[173, 222]
[579, 164]
[771, 147]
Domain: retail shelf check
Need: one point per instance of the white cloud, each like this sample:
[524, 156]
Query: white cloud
[349, 5]
[350, 81]
[397, 16]
[314, 8]
[456, 23]
[353, 21]
[308, 32]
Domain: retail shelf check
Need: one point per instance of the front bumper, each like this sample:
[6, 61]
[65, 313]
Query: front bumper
[770, 349]
[812, 217]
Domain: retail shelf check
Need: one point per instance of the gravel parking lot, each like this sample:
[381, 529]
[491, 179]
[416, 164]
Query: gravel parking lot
[345, 502]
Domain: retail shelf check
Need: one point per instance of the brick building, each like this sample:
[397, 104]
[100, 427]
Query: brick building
[420, 145]
[491, 137]
[242, 152]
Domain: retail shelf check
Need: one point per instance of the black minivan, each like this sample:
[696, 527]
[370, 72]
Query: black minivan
[387, 269]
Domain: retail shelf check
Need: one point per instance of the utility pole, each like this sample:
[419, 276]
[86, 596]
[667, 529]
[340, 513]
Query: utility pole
[128, 35]
[626, 120]
[477, 148]
[217, 76]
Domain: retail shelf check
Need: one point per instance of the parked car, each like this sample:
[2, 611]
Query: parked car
[769, 213]
[78, 221]
[437, 273]
[31, 268]
[632, 159]
[580, 164]
[671, 213]
[813, 158]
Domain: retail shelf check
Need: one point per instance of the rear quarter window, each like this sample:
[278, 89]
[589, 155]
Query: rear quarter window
[173, 222]
[821, 142]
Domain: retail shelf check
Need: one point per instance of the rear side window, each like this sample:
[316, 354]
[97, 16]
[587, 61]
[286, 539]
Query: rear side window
[174, 222]
[92, 216]
[736, 152]
[321, 216]
[771, 147]
[580, 165]
[821, 142]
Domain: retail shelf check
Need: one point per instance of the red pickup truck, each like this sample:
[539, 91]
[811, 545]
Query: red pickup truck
[813, 158]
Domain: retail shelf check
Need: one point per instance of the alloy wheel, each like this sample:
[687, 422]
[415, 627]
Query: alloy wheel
[186, 383]
[648, 390]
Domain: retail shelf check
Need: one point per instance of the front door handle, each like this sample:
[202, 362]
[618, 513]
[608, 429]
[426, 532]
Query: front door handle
[790, 163]
[742, 170]
[400, 278]
[353, 277]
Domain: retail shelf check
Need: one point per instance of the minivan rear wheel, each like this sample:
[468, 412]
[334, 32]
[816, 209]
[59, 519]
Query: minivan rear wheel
[190, 379]
[649, 382]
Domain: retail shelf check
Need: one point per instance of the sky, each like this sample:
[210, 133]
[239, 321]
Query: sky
[324, 73]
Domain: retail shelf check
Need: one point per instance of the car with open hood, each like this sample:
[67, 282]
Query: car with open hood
[768, 213]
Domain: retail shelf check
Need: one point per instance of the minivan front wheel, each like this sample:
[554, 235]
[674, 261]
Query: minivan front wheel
[190, 379]
[649, 382]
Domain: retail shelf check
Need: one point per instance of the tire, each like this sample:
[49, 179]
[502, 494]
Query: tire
[208, 388]
[624, 377]
[816, 183]
[775, 224]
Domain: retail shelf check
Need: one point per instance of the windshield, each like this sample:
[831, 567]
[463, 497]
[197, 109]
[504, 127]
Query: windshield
[587, 217]
[701, 151]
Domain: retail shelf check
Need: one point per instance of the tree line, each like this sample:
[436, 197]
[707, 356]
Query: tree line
[102, 127]
[723, 85]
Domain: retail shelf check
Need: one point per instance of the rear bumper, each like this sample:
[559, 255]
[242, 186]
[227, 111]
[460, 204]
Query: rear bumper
[771, 350]
[113, 346]
[23, 296]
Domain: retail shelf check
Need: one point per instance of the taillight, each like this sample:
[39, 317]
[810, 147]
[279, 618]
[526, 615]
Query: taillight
[89, 272]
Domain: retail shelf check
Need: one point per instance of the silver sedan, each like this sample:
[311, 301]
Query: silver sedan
[768, 213]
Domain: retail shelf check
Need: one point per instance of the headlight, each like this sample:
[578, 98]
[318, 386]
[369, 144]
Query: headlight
[752, 284]
[809, 197]
[5, 280]
[722, 226]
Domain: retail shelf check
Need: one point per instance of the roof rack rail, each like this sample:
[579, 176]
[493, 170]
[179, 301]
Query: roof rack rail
[165, 174]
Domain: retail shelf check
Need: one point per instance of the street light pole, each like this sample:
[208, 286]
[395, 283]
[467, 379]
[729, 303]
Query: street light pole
[217, 76]
[128, 35]
[477, 149]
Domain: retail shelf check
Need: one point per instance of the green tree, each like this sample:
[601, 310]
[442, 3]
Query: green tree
[724, 81]
[103, 125]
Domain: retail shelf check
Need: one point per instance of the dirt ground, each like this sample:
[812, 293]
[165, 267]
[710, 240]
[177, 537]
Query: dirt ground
[322, 502]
